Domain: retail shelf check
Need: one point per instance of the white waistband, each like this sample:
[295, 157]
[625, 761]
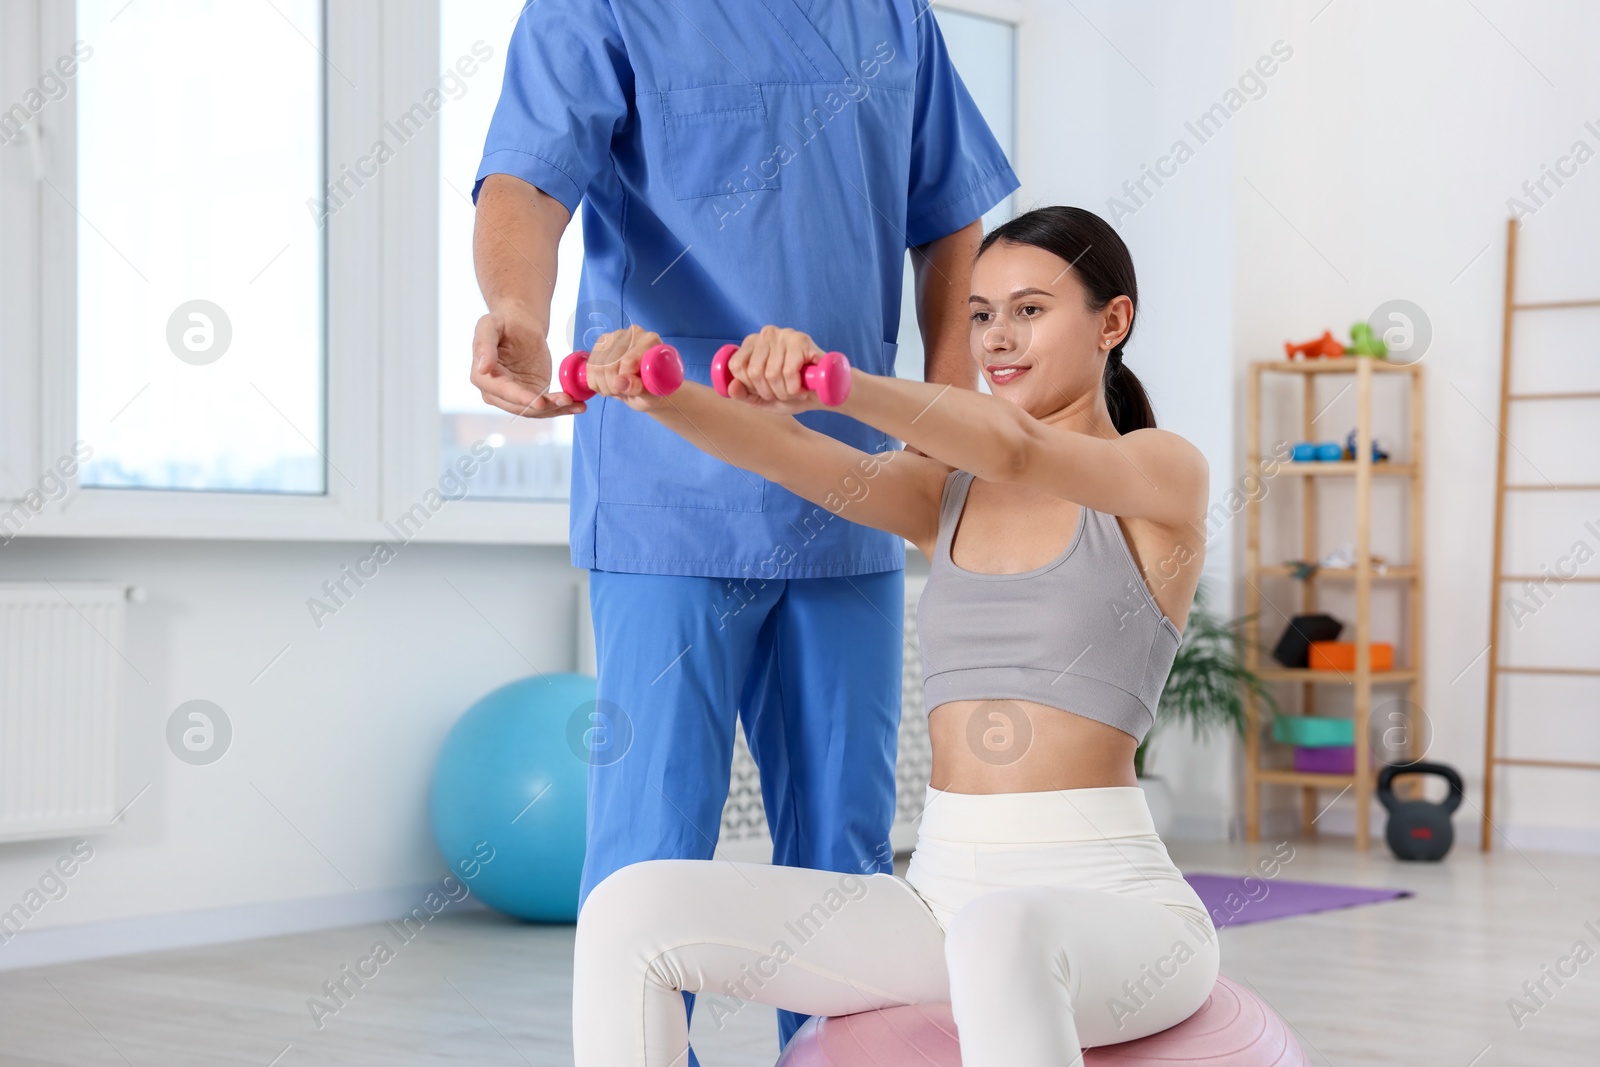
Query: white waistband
[1037, 818]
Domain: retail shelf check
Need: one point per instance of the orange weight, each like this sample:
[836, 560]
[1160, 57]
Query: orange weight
[1341, 656]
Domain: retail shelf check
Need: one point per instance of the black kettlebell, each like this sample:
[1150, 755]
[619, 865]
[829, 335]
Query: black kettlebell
[1419, 829]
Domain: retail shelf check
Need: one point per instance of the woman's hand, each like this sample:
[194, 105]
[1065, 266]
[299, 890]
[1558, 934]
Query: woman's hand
[614, 363]
[765, 372]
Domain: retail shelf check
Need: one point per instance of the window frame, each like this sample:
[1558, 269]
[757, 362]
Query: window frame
[380, 297]
[19, 257]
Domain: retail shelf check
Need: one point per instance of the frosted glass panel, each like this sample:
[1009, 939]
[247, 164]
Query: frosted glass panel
[984, 53]
[201, 216]
[533, 457]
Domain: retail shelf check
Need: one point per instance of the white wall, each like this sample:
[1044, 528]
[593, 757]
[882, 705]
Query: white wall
[1388, 142]
[1374, 163]
[1107, 90]
[339, 733]
[1378, 167]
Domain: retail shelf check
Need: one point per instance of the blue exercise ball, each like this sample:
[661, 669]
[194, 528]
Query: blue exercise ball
[508, 801]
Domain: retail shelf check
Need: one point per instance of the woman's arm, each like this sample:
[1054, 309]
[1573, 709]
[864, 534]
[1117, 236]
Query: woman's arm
[894, 491]
[1148, 474]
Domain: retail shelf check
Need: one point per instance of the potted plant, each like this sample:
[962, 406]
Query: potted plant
[1205, 689]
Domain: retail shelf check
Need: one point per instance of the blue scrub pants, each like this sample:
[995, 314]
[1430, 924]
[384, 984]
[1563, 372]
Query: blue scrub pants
[811, 666]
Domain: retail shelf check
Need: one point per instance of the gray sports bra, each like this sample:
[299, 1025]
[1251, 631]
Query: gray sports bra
[1081, 633]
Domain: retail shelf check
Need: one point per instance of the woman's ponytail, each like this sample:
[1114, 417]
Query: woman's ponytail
[1125, 396]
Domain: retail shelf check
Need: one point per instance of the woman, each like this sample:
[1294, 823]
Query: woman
[1039, 901]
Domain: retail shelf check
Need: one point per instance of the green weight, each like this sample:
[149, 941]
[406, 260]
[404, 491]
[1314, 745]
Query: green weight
[1313, 731]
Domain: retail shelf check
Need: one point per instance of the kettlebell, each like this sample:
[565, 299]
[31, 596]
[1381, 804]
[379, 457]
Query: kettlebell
[1419, 829]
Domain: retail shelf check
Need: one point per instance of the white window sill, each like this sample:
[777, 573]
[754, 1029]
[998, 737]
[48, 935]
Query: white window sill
[135, 513]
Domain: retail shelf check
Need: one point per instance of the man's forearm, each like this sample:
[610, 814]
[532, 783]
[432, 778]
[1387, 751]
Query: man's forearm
[943, 270]
[515, 241]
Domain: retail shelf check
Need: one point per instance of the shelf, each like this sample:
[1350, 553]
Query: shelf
[1362, 474]
[1305, 674]
[1306, 778]
[1341, 466]
[1341, 365]
[1347, 574]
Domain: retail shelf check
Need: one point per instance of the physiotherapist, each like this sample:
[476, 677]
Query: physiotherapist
[739, 163]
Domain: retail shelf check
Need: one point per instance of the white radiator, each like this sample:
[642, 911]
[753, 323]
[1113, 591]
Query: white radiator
[744, 820]
[59, 662]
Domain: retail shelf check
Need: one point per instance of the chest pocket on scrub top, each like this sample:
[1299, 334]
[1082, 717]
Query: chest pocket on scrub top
[717, 138]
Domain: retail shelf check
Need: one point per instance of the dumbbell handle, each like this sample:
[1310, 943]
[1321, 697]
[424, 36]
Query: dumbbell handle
[661, 370]
[828, 376]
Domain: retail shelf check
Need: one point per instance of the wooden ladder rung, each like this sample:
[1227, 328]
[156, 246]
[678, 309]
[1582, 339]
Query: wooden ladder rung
[1571, 487]
[1555, 396]
[1549, 305]
[1546, 578]
[1577, 765]
[1583, 671]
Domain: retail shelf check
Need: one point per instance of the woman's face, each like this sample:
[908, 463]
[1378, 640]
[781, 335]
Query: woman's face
[1036, 342]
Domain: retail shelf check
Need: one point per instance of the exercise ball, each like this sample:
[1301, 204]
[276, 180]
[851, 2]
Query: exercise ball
[1231, 1029]
[509, 794]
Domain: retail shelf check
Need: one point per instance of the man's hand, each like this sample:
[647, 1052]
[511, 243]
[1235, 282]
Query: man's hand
[511, 365]
[765, 372]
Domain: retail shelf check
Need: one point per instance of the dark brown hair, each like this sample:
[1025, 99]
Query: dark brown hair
[1105, 269]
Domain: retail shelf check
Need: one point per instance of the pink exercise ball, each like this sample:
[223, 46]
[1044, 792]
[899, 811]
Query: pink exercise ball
[1231, 1029]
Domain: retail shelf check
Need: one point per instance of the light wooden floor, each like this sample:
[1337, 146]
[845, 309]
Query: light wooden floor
[1413, 982]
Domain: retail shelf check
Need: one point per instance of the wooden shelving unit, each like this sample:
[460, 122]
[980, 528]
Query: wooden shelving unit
[1363, 576]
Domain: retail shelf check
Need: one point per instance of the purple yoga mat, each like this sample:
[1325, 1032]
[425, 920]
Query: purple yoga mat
[1232, 900]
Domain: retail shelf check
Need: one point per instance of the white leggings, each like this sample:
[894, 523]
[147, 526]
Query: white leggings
[1049, 921]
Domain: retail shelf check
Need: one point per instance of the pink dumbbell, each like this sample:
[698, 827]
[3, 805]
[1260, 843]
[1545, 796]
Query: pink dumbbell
[828, 377]
[661, 370]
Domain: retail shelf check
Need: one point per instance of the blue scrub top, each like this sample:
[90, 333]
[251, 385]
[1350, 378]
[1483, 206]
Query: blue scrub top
[739, 163]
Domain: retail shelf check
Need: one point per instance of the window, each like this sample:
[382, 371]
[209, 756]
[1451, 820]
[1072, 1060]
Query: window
[200, 245]
[533, 457]
[984, 53]
[533, 460]
[228, 314]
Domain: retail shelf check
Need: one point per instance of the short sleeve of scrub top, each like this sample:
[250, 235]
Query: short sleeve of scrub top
[565, 95]
[955, 162]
